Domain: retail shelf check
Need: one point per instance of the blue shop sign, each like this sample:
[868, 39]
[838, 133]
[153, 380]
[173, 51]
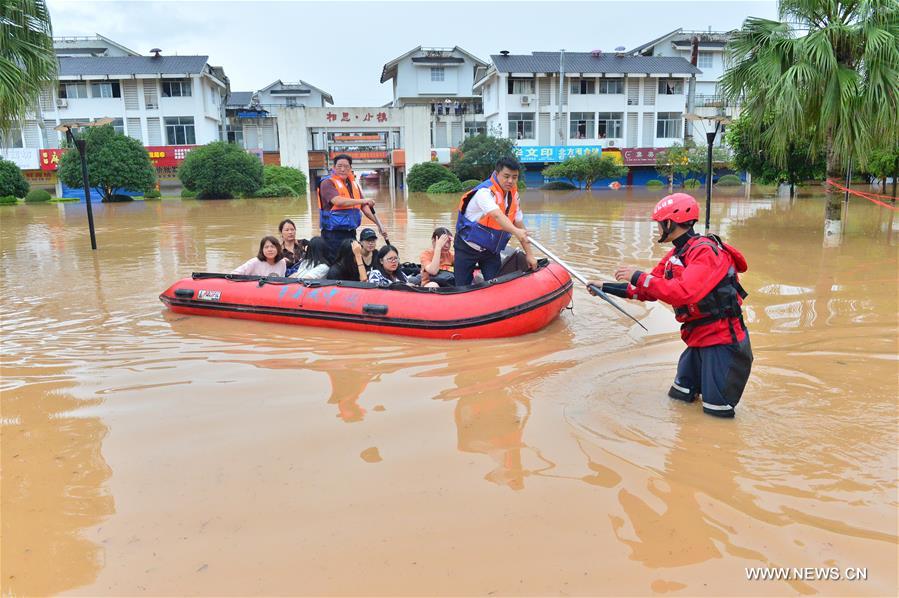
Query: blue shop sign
[252, 114]
[553, 153]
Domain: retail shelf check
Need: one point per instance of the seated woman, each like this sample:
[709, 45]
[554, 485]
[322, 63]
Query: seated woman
[348, 264]
[314, 264]
[267, 262]
[437, 262]
[368, 239]
[387, 271]
[291, 248]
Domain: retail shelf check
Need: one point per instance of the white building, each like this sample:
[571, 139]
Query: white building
[158, 100]
[711, 60]
[441, 79]
[253, 116]
[606, 100]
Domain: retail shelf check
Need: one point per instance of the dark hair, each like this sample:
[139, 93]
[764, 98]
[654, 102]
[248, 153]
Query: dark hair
[283, 222]
[342, 157]
[345, 261]
[317, 251]
[379, 266]
[508, 162]
[439, 231]
[273, 241]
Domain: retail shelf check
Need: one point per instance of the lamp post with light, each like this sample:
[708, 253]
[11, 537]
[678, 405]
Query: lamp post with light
[81, 146]
[711, 126]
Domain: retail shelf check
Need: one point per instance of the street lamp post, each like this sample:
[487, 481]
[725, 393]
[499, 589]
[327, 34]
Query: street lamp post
[81, 146]
[710, 135]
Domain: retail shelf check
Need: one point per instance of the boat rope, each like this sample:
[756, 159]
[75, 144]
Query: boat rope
[869, 196]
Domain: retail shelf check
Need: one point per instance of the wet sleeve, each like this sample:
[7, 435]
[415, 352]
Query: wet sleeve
[699, 277]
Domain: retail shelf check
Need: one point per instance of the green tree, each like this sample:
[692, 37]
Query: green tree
[698, 156]
[220, 170]
[797, 165]
[828, 67]
[12, 181]
[586, 169]
[27, 60]
[884, 162]
[115, 162]
[276, 176]
[673, 162]
[421, 176]
[478, 155]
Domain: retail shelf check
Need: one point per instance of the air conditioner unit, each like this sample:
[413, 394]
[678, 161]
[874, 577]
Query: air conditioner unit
[525, 100]
[611, 143]
[62, 103]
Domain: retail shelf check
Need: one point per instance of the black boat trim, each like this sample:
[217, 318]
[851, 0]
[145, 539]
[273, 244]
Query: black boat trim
[372, 320]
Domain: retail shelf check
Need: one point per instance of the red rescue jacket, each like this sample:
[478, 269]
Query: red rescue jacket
[692, 279]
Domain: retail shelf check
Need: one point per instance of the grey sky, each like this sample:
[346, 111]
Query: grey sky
[341, 47]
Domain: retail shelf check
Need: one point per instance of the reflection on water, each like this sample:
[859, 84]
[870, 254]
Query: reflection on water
[148, 452]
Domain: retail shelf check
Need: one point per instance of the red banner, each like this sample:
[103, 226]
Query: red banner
[49, 158]
[641, 156]
[168, 155]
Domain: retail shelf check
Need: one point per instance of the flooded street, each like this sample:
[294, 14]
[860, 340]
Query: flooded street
[150, 453]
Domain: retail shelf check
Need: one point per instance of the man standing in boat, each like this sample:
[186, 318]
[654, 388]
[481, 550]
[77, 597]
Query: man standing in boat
[489, 215]
[699, 277]
[341, 205]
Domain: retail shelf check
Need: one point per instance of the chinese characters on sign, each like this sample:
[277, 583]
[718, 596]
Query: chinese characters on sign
[553, 153]
[168, 155]
[641, 156]
[356, 115]
[49, 158]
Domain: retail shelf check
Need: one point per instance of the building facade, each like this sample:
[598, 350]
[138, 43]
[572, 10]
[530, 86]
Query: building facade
[442, 79]
[586, 99]
[158, 100]
[253, 116]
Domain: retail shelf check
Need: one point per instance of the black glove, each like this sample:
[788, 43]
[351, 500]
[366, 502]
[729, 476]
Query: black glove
[619, 289]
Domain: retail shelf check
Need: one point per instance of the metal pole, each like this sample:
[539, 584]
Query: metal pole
[81, 145]
[848, 180]
[708, 181]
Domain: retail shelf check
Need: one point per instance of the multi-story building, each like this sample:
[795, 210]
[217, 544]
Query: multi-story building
[159, 100]
[253, 116]
[442, 79]
[711, 60]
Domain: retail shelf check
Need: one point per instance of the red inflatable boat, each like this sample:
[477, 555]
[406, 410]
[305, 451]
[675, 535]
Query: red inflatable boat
[510, 305]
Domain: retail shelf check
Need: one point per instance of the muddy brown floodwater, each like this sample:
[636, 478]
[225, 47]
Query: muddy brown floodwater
[147, 453]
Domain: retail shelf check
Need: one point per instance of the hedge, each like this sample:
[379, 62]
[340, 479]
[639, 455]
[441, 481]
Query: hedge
[655, 183]
[558, 186]
[692, 184]
[37, 196]
[277, 190]
[12, 181]
[6, 200]
[422, 176]
[730, 180]
[470, 184]
[446, 187]
[284, 176]
[152, 194]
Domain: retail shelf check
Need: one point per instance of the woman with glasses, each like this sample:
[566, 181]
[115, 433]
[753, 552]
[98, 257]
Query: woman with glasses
[387, 271]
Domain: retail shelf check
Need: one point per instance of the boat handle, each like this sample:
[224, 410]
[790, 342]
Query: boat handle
[186, 293]
[375, 309]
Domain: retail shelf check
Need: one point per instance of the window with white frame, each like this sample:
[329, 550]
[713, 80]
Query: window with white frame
[609, 124]
[582, 86]
[582, 125]
[521, 86]
[106, 89]
[437, 73]
[521, 125]
[235, 134]
[11, 138]
[179, 130]
[668, 125]
[704, 60]
[671, 87]
[176, 88]
[611, 86]
[119, 125]
[73, 90]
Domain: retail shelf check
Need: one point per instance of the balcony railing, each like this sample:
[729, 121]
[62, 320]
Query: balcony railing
[456, 108]
[714, 101]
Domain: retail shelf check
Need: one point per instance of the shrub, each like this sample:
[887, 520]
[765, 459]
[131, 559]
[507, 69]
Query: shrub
[446, 187]
[655, 184]
[115, 162]
[220, 170]
[188, 194]
[522, 185]
[422, 176]
[37, 196]
[118, 198]
[586, 169]
[470, 184]
[12, 181]
[152, 194]
[274, 191]
[558, 186]
[284, 176]
[7, 200]
[730, 180]
[478, 154]
[692, 184]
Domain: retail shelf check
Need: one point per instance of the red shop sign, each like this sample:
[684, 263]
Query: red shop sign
[49, 158]
[641, 156]
[168, 155]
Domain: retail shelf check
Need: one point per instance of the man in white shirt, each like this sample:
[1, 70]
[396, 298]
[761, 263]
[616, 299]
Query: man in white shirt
[489, 215]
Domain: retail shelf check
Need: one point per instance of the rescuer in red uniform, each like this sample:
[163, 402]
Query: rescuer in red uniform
[699, 278]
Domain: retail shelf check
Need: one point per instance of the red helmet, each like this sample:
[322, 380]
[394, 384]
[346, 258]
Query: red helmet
[677, 207]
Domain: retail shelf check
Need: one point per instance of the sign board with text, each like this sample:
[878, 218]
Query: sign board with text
[553, 153]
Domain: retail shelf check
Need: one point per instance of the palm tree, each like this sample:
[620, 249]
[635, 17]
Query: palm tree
[27, 61]
[828, 66]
